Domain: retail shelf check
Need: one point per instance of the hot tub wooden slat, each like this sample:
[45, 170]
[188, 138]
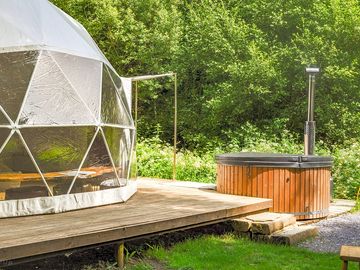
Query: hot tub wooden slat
[312, 191]
[260, 182]
[266, 187]
[235, 184]
[243, 184]
[281, 190]
[298, 191]
[292, 186]
[235, 176]
[328, 175]
[287, 190]
[316, 190]
[303, 192]
[248, 180]
[271, 183]
[276, 190]
[322, 188]
[229, 186]
[313, 185]
[307, 191]
[253, 182]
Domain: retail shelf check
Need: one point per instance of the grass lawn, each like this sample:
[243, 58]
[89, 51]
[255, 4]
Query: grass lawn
[229, 252]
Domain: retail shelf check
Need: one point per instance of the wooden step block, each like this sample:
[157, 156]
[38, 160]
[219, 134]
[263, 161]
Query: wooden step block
[294, 234]
[263, 223]
[268, 223]
[244, 224]
[241, 225]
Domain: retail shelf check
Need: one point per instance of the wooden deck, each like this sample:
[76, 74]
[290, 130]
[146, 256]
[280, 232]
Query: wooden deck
[154, 209]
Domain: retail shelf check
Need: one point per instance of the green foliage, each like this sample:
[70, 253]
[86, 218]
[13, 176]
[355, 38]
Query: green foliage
[346, 171]
[136, 36]
[229, 252]
[155, 159]
[238, 61]
[250, 138]
[247, 64]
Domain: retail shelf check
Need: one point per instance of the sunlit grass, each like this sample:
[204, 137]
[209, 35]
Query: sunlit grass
[229, 252]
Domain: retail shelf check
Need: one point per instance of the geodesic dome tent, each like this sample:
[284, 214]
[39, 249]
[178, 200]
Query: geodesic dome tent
[66, 131]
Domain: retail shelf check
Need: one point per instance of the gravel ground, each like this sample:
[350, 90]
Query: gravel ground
[335, 232]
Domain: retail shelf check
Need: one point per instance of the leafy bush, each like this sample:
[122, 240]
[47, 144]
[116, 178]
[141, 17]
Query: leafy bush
[238, 61]
[155, 159]
[346, 171]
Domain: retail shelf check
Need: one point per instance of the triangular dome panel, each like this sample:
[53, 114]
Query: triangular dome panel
[85, 77]
[16, 69]
[113, 110]
[58, 151]
[97, 172]
[41, 24]
[19, 178]
[120, 146]
[51, 99]
[120, 89]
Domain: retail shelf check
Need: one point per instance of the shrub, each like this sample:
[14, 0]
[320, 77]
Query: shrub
[346, 170]
[155, 159]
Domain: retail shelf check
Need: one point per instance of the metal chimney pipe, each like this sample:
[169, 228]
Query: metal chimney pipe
[309, 131]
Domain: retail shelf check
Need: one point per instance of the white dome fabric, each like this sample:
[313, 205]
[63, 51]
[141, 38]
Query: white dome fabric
[38, 24]
[67, 136]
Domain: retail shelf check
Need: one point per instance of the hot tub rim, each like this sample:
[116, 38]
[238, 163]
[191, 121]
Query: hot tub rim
[274, 160]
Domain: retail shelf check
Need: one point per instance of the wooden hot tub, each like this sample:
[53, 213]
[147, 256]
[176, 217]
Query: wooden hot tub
[297, 184]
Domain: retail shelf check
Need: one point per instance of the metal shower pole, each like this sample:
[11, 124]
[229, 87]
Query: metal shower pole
[309, 131]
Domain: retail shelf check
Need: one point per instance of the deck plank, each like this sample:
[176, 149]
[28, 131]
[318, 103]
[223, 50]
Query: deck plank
[154, 208]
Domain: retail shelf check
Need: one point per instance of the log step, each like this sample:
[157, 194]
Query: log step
[263, 223]
[288, 236]
[293, 235]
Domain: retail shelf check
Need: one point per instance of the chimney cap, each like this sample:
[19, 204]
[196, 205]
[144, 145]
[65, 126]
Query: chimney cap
[312, 70]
